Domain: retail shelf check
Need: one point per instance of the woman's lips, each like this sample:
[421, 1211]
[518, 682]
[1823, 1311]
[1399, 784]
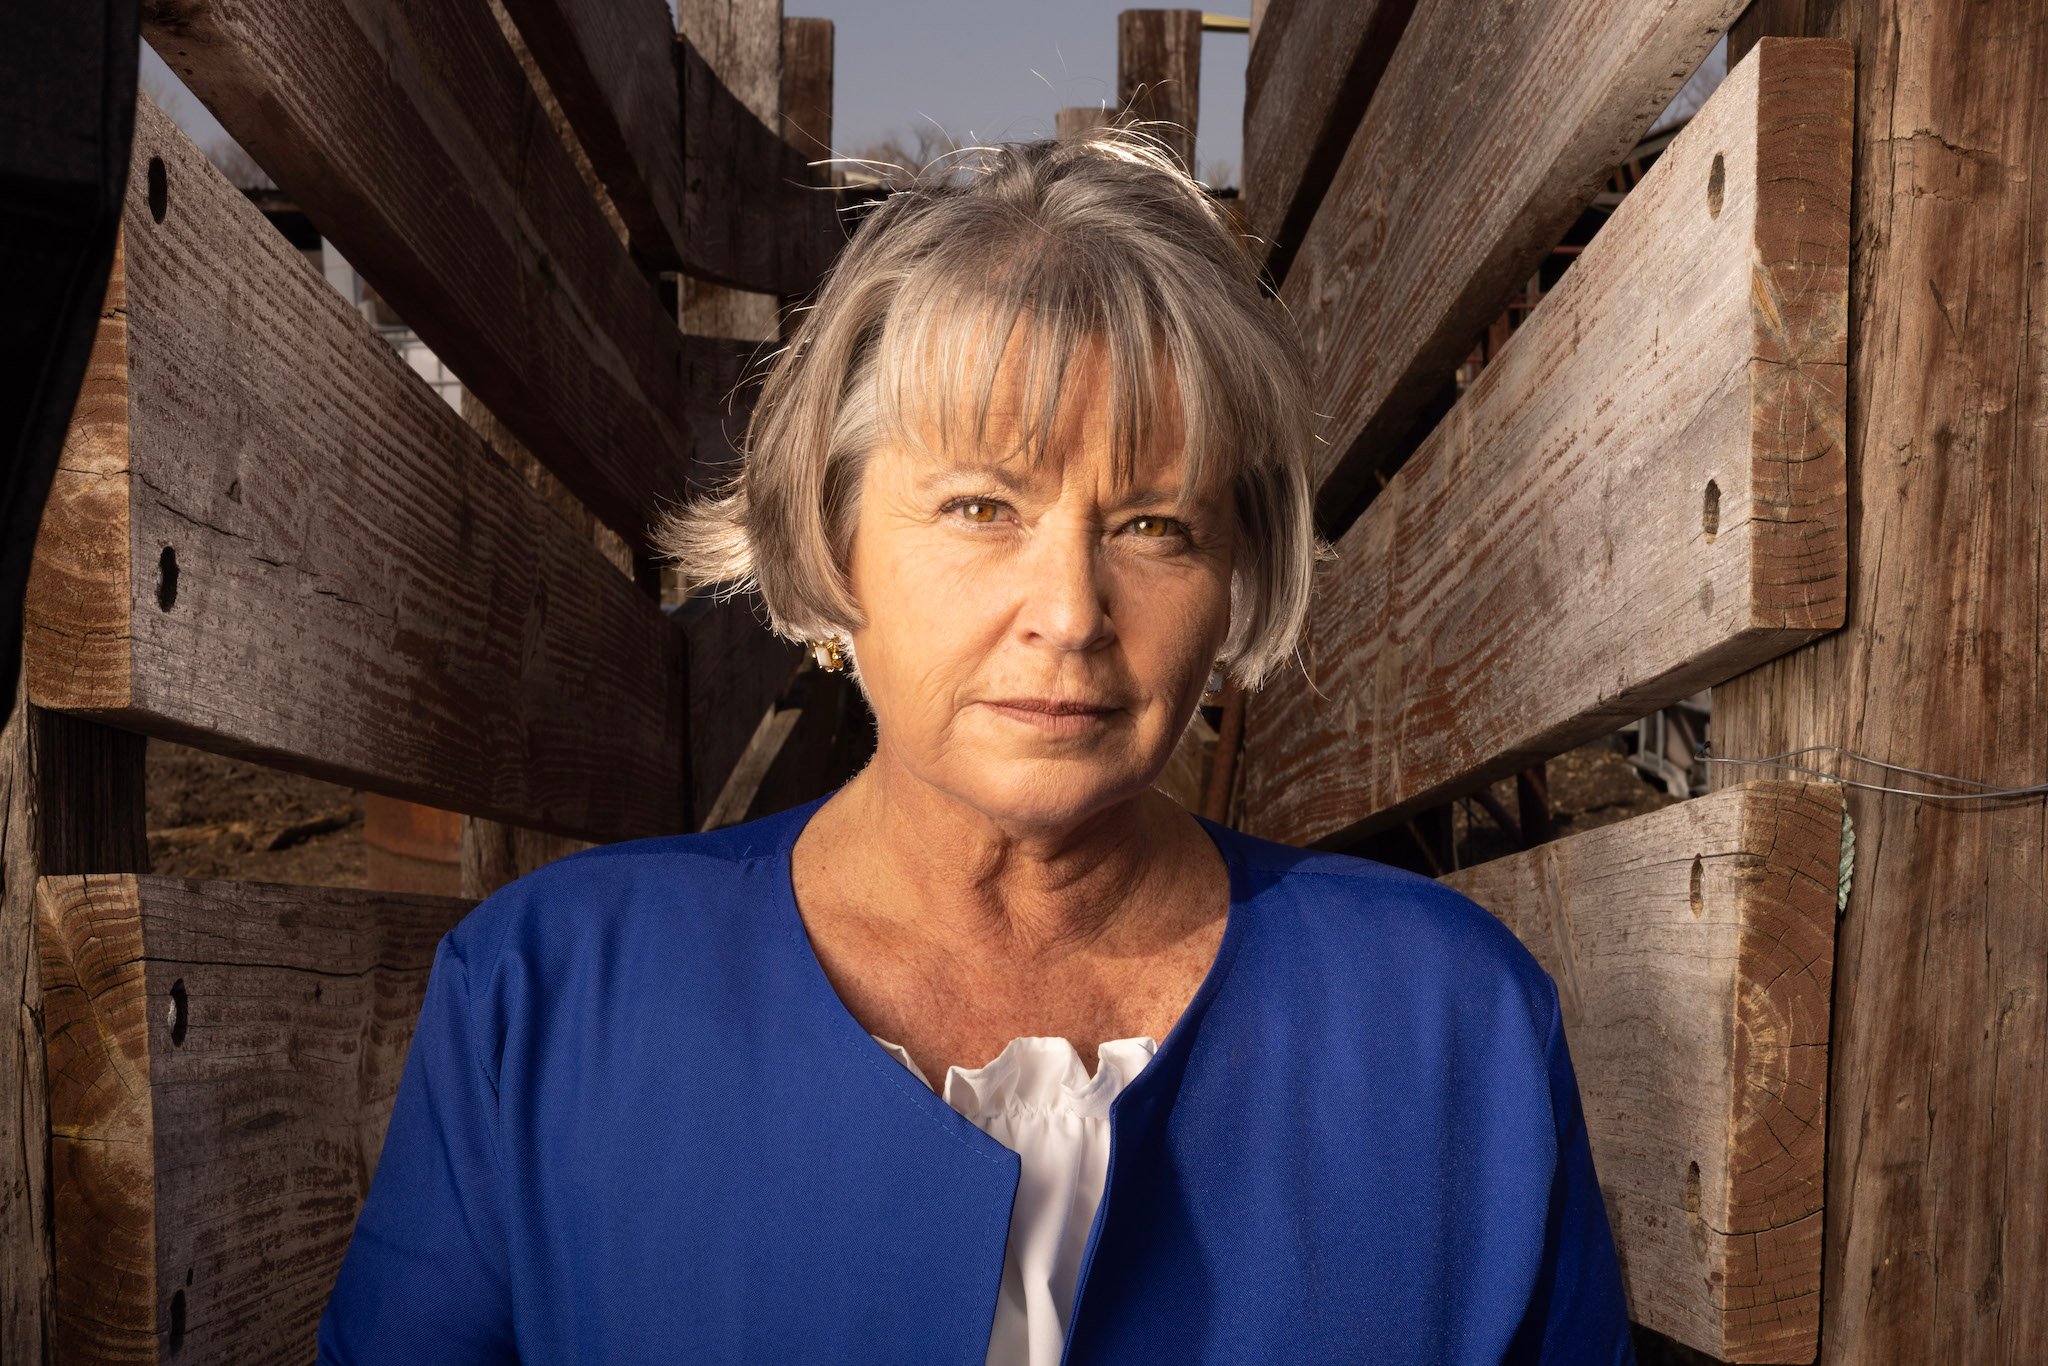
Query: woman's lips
[1052, 717]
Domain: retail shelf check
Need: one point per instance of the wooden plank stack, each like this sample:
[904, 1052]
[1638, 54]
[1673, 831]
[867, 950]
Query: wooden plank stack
[272, 539]
[1644, 493]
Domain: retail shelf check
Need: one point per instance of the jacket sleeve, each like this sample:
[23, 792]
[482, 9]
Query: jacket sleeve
[1579, 1312]
[425, 1277]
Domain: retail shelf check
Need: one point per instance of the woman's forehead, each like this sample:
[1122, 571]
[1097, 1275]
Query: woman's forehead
[1038, 407]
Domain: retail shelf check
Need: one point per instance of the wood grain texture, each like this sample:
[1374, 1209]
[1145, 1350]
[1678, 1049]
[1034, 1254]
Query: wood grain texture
[1469, 164]
[737, 669]
[71, 801]
[806, 112]
[759, 218]
[412, 138]
[1642, 495]
[1076, 120]
[611, 63]
[1692, 949]
[223, 1058]
[1159, 73]
[741, 42]
[1937, 1203]
[1314, 66]
[270, 538]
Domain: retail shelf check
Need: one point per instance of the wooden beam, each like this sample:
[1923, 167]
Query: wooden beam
[1473, 158]
[1078, 119]
[1644, 493]
[414, 141]
[1314, 66]
[1159, 73]
[71, 801]
[807, 92]
[222, 1060]
[610, 64]
[759, 217]
[270, 538]
[1692, 949]
[737, 669]
[805, 744]
[1937, 1202]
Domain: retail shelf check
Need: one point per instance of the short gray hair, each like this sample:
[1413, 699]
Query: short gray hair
[1101, 235]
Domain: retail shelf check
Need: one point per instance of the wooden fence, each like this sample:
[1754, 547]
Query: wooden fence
[271, 539]
[1728, 450]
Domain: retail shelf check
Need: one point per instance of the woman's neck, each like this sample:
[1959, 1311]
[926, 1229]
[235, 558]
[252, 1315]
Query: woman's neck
[905, 851]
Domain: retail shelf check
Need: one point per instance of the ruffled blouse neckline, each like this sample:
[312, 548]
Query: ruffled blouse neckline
[1039, 1072]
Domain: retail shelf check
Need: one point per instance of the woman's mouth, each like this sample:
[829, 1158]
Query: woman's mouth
[1054, 716]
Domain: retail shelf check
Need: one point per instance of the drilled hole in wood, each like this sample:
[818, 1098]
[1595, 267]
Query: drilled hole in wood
[1699, 877]
[177, 1321]
[159, 189]
[1710, 510]
[1717, 181]
[1692, 1188]
[166, 579]
[180, 1009]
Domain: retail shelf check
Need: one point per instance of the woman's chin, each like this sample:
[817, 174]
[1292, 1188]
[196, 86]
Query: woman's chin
[1050, 792]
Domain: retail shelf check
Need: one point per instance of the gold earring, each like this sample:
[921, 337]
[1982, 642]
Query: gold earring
[829, 654]
[1217, 682]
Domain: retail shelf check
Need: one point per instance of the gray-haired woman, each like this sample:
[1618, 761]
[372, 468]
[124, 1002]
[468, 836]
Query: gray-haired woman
[996, 1053]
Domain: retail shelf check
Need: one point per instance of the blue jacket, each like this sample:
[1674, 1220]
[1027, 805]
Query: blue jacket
[637, 1125]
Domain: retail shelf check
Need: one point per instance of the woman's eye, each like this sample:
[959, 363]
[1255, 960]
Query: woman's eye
[1158, 528]
[978, 510]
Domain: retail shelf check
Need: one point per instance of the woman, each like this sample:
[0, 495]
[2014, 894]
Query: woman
[1032, 466]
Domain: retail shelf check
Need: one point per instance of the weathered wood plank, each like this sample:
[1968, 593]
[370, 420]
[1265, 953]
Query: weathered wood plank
[410, 135]
[611, 63]
[1937, 1203]
[807, 82]
[222, 1060]
[737, 669]
[805, 744]
[1470, 162]
[71, 801]
[1078, 119]
[759, 217]
[1159, 73]
[1692, 949]
[270, 538]
[1314, 66]
[1642, 495]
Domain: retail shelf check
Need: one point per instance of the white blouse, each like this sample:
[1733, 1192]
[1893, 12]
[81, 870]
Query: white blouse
[1037, 1099]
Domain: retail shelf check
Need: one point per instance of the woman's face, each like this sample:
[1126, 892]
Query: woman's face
[997, 594]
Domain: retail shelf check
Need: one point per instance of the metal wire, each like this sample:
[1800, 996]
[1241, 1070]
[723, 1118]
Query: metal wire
[1986, 790]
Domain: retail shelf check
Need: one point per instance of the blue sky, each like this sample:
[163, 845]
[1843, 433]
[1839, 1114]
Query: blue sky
[996, 69]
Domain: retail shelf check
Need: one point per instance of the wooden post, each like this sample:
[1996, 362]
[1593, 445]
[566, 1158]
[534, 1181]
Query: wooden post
[741, 44]
[1936, 1244]
[71, 801]
[1159, 73]
[807, 91]
[1078, 119]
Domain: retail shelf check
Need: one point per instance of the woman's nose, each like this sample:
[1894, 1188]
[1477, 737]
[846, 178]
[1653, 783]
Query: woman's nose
[1064, 592]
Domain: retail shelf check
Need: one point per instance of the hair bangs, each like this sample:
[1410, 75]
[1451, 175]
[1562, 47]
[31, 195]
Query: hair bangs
[960, 348]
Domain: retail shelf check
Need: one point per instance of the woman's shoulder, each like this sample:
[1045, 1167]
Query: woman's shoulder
[1365, 919]
[654, 883]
